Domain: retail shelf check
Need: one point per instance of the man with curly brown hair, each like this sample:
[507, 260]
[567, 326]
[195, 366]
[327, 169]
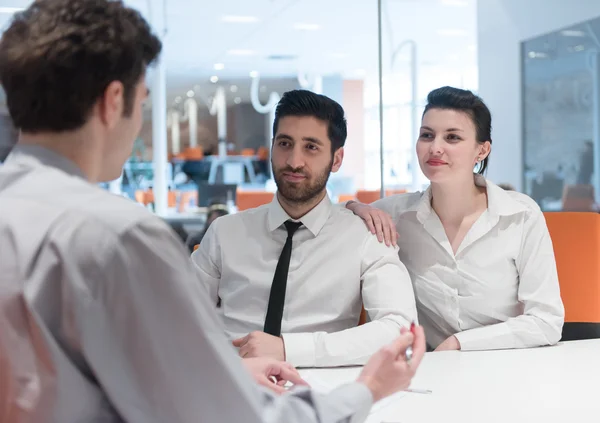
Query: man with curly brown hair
[101, 317]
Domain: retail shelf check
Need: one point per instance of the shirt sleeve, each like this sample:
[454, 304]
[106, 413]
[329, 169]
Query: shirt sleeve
[389, 300]
[539, 292]
[152, 341]
[207, 262]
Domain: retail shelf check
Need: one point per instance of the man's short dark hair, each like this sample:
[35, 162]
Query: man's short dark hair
[58, 57]
[306, 103]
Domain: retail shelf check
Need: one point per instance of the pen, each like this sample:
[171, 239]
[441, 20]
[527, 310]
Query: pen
[419, 391]
[409, 350]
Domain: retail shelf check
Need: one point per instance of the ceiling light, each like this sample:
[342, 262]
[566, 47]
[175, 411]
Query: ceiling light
[579, 47]
[219, 66]
[190, 93]
[241, 52]
[237, 100]
[239, 19]
[233, 88]
[306, 27]
[452, 32]
[253, 74]
[11, 10]
[572, 33]
[214, 79]
[458, 3]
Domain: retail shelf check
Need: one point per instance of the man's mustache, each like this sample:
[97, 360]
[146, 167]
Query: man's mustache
[294, 171]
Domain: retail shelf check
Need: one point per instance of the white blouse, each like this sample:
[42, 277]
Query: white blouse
[501, 288]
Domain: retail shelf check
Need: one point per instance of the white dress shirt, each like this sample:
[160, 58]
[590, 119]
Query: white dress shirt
[501, 288]
[102, 319]
[336, 265]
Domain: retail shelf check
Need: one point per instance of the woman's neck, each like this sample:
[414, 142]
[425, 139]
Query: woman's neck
[453, 202]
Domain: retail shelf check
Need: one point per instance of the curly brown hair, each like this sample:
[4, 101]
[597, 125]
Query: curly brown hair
[58, 57]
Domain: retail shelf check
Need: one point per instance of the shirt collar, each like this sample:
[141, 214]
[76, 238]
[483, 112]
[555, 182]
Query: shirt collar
[314, 220]
[38, 155]
[500, 202]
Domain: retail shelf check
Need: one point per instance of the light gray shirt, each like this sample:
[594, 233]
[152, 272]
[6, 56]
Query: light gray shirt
[102, 318]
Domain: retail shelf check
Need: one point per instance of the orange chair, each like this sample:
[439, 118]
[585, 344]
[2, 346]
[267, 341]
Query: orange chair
[367, 197]
[576, 241]
[262, 153]
[193, 153]
[248, 152]
[251, 199]
[140, 196]
[185, 199]
[171, 198]
[363, 317]
[342, 198]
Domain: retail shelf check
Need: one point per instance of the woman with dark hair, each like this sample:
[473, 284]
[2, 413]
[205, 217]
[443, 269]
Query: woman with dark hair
[480, 258]
[214, 211]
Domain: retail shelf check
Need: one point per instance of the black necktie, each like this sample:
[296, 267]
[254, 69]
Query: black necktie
[277, 296]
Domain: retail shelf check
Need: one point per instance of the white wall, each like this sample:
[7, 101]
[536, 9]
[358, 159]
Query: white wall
[501, 27]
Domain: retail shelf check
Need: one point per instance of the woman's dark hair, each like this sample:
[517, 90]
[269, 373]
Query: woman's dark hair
[450, 98]
[215, 211]
[307, 103]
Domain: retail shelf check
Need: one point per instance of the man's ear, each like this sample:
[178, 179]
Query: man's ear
[338, 158]
[111, 104]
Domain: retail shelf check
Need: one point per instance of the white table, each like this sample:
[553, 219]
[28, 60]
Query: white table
[545, 385]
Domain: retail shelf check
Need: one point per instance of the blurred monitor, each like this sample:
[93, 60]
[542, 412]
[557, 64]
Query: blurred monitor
[215, 193]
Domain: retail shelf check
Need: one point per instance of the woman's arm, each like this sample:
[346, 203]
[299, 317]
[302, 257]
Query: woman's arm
[543, 312]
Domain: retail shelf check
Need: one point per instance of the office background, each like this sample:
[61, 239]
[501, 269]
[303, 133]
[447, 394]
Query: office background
[226, 63]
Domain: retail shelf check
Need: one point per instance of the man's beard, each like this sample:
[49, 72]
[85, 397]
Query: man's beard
[304, 191]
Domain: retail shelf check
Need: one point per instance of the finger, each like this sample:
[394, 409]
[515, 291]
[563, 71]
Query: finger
[387, 231]
[369, 222]
[245, 351]
[403, 330]
[394, 233]
[419, 347]
[291, 376]
[240, 341]
[398, 347]
[378, 228]
[264, 381]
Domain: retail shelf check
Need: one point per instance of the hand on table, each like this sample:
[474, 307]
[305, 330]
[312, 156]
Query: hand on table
[450, 344]
[260, 344]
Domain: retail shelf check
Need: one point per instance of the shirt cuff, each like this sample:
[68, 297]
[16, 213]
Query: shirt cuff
[477, 339]
[299, 349]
